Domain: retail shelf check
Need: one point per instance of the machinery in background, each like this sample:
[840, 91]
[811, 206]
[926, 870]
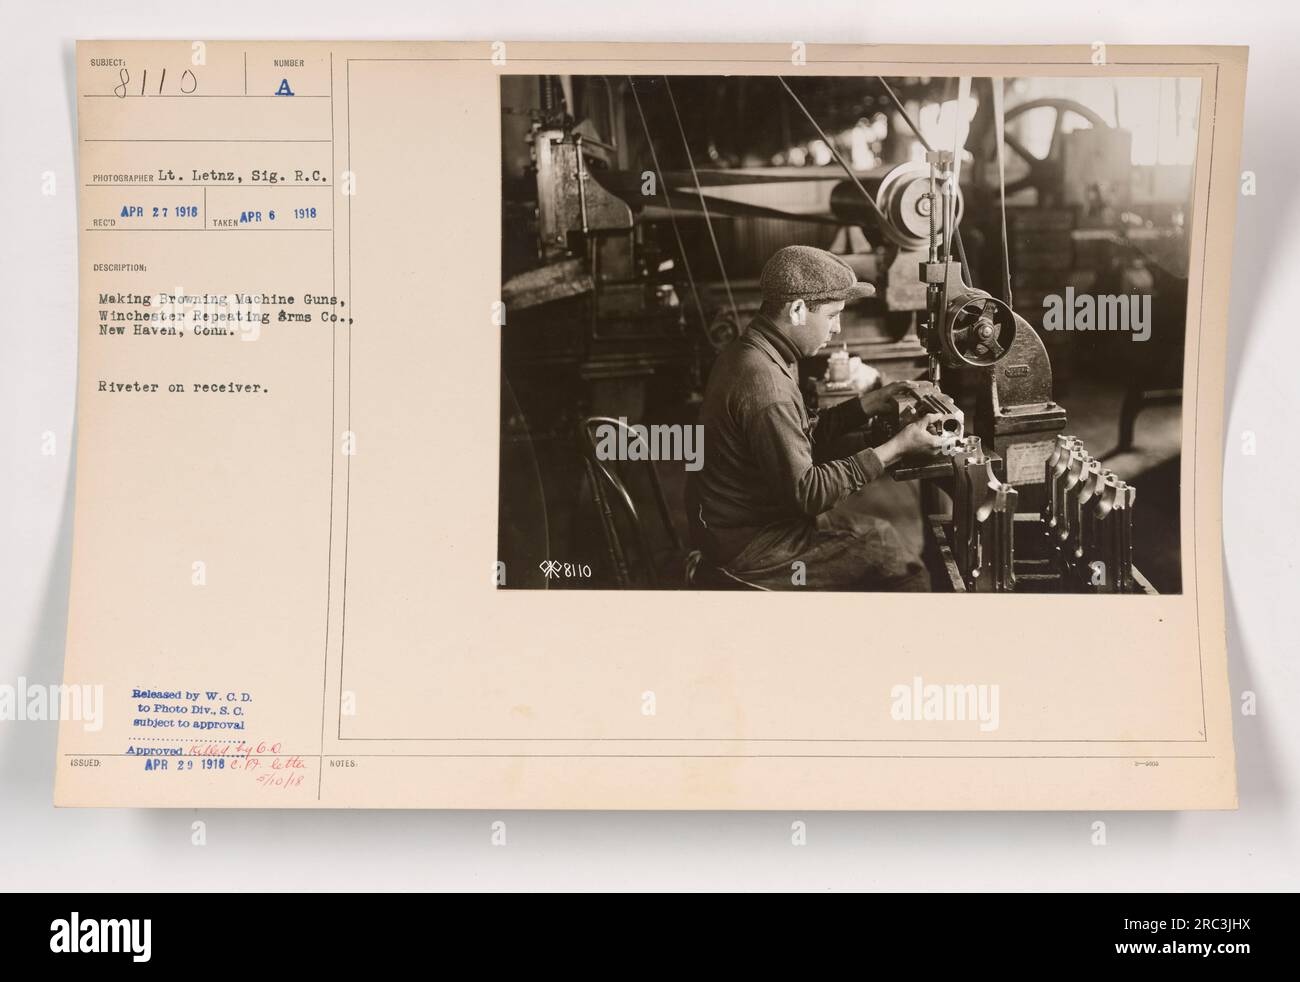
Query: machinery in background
[592, 326]
[591, 309]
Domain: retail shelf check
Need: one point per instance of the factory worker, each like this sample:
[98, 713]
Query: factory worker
[772, 468]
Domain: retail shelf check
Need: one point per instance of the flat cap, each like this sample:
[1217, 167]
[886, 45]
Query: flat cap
[800, 272]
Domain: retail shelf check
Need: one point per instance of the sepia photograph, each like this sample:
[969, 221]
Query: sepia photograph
[844, 333]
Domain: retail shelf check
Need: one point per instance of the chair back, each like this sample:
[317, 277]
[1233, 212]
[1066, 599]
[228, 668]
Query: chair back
[622, 519]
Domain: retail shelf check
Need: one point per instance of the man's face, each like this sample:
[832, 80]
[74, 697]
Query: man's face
[811, 330]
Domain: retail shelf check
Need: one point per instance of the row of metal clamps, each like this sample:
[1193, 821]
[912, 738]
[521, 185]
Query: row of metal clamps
[1088, 519]
[984, 518]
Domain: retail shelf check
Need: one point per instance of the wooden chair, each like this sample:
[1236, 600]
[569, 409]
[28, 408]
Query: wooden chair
[632, 555]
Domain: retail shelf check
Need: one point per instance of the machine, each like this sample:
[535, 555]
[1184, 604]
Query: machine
[1075, 530]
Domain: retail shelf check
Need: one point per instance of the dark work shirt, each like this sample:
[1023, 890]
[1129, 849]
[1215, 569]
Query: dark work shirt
[762, 463]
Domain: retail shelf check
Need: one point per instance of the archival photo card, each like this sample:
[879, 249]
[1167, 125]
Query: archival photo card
[445, 410]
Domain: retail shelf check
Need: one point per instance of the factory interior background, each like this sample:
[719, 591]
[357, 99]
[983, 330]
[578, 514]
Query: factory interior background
[619, 294]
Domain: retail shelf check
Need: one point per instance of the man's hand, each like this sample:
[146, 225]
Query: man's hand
[911, 439]
[874, 402]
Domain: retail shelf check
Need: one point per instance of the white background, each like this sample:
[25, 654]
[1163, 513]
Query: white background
[42, 848]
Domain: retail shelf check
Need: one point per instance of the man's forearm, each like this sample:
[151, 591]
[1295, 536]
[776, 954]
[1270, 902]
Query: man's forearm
[889, 452]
